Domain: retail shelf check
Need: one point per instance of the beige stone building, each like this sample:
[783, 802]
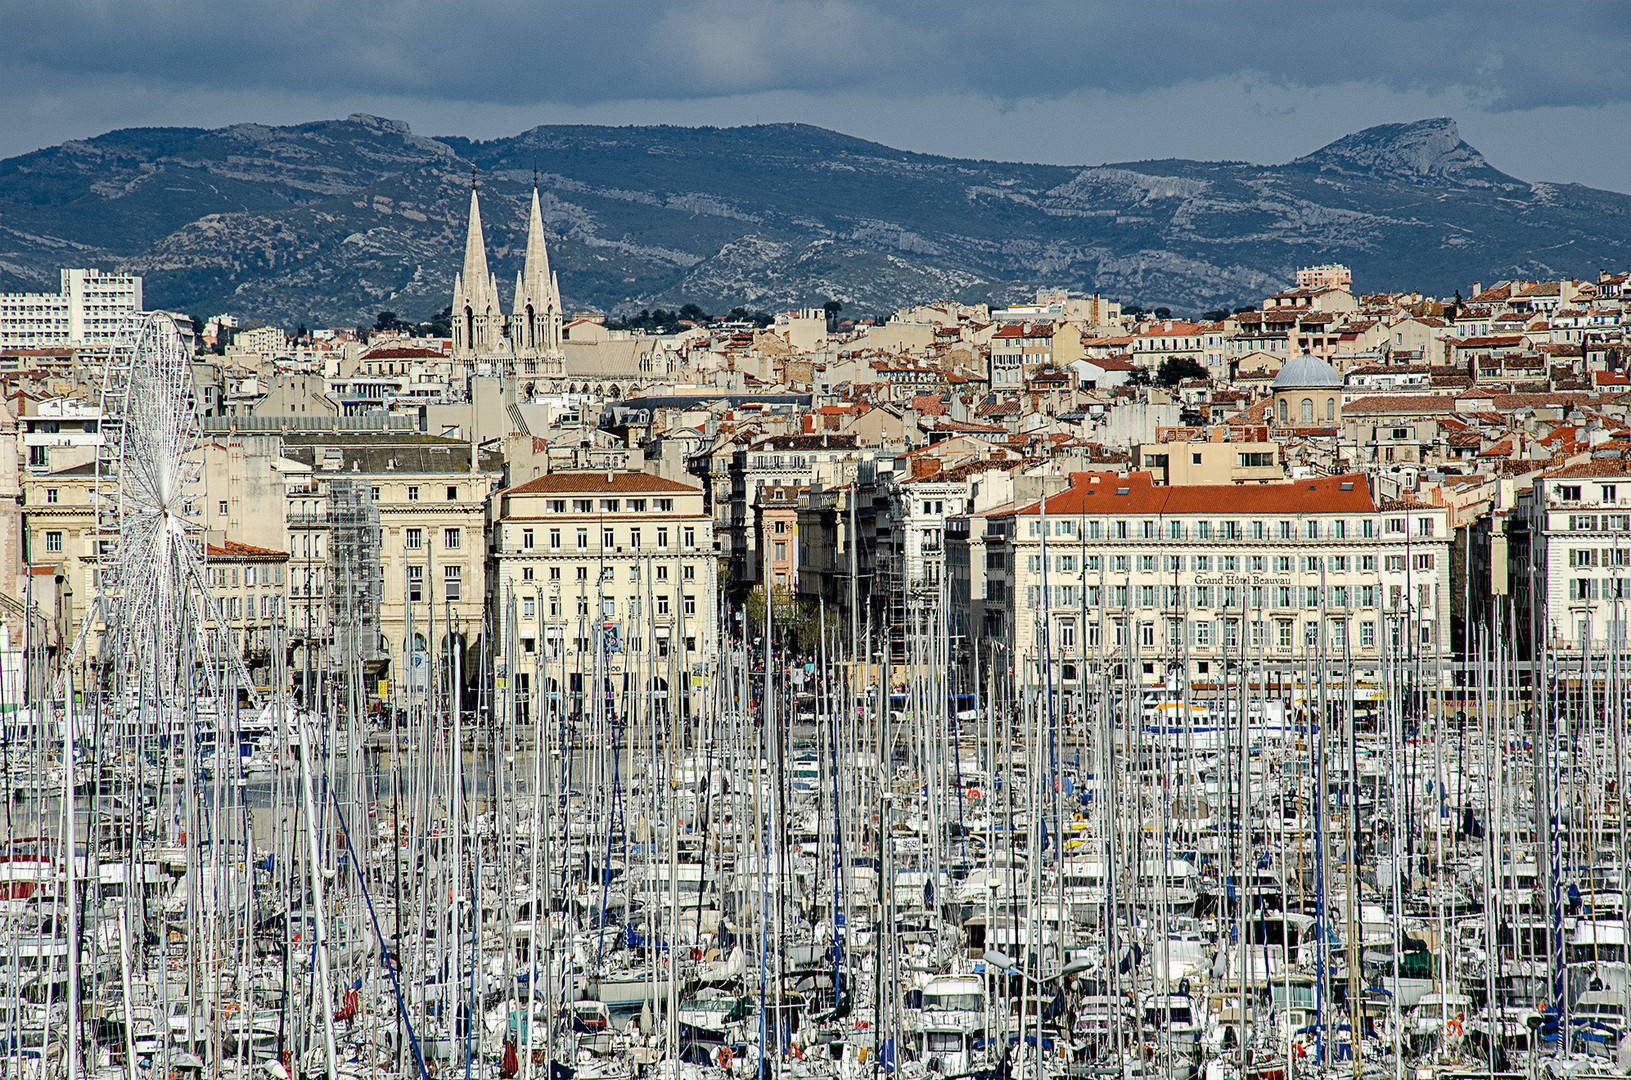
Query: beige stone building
[1236, 454]
[605, 574]
[1148, 579]
[249, 585]
[429, 507]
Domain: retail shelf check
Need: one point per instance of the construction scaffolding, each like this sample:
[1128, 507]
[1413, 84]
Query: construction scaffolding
[356, 580]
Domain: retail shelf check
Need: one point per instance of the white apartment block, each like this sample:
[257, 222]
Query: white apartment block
[86, 311]
[607, 578]
[1151, 580]
[1570, 557]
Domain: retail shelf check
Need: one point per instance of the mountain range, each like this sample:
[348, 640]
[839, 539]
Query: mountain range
[327, 223]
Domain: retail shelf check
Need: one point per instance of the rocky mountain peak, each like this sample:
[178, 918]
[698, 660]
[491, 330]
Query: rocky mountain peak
[1423, 152]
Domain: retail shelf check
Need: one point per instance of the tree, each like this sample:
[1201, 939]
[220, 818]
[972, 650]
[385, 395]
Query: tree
[1215, 315]
[793, 621]
[1175, 369]
[1139, 376]
[832, 308]
[440, 325]
[693, 313]
[1163, 313]
[300, 333]
[386, 321]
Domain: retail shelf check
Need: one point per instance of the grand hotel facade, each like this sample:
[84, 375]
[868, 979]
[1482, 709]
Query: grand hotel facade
[1118, 574]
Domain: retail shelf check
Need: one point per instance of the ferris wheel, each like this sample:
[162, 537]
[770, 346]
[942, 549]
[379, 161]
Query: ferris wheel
[149, 487]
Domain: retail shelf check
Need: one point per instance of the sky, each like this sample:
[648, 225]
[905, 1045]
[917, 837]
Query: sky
[1542, 89]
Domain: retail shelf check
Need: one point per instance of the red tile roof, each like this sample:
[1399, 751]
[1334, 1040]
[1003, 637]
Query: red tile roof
[1137, 493]
[595, 482]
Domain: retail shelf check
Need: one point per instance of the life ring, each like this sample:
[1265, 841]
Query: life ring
[724, 1057]
[696, 953]
[1453, 1027]
[974, 793]
[1299, 1050]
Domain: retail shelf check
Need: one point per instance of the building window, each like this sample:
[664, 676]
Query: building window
[583, 506]
[1367, 635]
[1424, 562]
[637, 506]
[1307, 410]
[453, 578]
[664, 506]
[222, 505]
[413, 493]
[608, 506]
[583, 539]
[662, 539]
[413, 539]
[53, 541]
[690, 605]
[528, 608]
[554, 539]
[688, 538]
[608, 538]
[526, 539]
[450, 539]
[416, 584]
[662, 603]
[526, 573]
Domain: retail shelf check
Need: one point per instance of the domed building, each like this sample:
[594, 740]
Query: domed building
[1307, 393]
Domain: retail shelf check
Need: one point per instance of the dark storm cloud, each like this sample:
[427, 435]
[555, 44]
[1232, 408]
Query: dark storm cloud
[1502, 56]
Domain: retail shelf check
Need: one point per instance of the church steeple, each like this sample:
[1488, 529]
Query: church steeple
[537, 265]
[536, 324]
[475, 247]
[478, 317]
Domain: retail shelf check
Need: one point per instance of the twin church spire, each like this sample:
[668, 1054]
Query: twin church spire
[532, 331]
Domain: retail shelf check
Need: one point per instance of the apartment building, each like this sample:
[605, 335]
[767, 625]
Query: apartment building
[779, 461]
[86, 310]
[605, 572]
[1569, 558]
[1016, 351]
[1120, 571]
[249, 586]
[423, 567]
[1227, 454]
[775, 525]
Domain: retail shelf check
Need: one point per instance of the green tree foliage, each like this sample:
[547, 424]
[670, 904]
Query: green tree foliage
[795, 622]
[1175, 369]
[440, 324]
